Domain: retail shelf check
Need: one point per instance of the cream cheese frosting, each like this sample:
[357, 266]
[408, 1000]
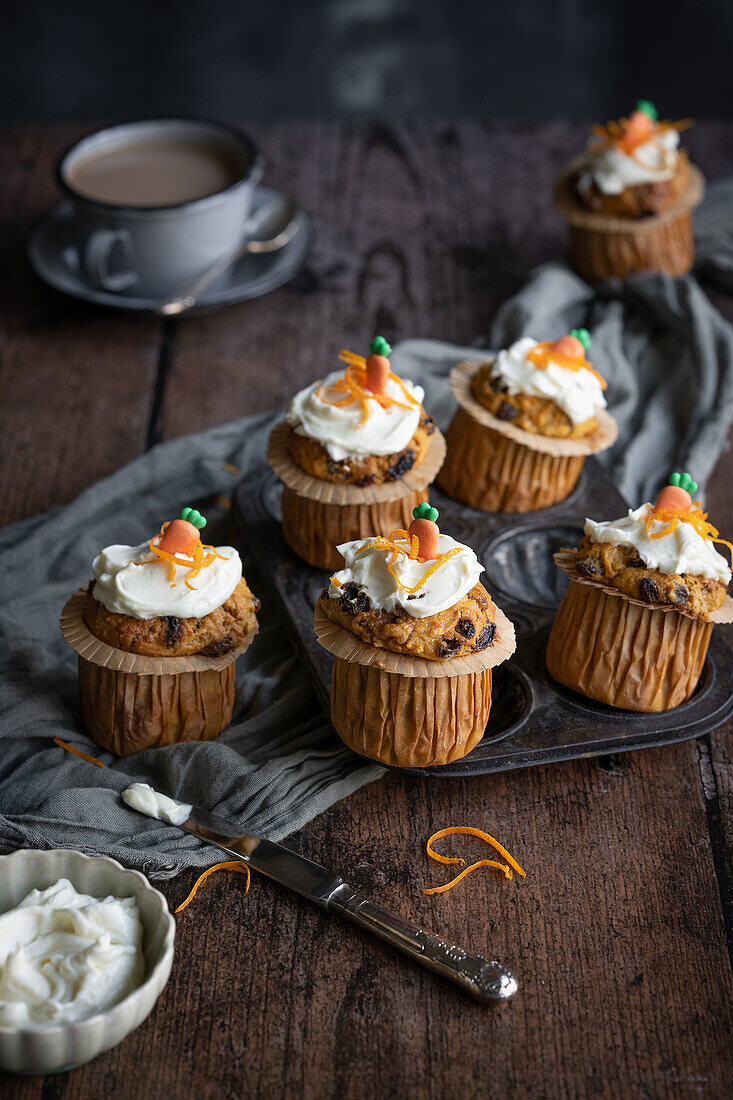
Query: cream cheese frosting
[338, 429]
[65, 956]
[143, 798]
[577, 392]
[130, 580]
[367, 568]
[612, 170]
[681, 551]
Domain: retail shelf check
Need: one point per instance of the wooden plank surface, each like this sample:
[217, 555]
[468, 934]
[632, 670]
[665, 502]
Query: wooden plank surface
[618, 933]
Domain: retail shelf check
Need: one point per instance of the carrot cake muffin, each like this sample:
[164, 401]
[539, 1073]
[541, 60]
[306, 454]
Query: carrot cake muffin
[526, 421]
[415, 637]
[548, 388]
[171, 596]
[634, 626]
[360, 426]
[628, 198]
[394, 597]
[633, 167]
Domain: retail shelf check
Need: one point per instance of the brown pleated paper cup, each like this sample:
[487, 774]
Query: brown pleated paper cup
[319, 515]
[130, 702]
[494, 466]
[406, 711]
[602, 246]
[620, 651]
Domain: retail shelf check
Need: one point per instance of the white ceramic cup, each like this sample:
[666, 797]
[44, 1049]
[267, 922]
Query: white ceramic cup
[154, 252]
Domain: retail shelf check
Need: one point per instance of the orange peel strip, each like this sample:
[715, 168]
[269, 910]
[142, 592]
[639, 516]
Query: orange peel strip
[467, 871]
[237, 865]
[77, 752]
[694, 515]
[469, 830]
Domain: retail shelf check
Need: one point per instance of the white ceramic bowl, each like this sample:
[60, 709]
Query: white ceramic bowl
[62, 1046]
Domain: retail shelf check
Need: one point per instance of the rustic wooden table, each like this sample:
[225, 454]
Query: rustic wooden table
[621, 933]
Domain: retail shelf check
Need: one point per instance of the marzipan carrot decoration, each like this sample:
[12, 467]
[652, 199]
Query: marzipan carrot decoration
[568, 352]
[179, 544]
[506, 869]
[674, 505]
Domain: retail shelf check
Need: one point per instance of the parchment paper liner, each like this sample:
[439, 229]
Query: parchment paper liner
[407, 711]
[603, 245]
[624, 652]
[131, 702]
[318, 515]
[497, 467]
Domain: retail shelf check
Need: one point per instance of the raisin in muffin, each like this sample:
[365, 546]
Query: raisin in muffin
[169, 597]
[394, 597]
[360, 426]
[634, 625]
[549, 388]
[633, 167]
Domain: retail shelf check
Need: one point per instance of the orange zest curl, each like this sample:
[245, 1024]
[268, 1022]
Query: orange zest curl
[467, 830]
[231, 865]
[353, 385]
[388, 544]
[698, 520]
[542, 355]
[198, 560]
[77, 752]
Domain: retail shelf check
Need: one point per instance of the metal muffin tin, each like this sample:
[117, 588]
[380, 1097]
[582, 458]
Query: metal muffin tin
[533, 720]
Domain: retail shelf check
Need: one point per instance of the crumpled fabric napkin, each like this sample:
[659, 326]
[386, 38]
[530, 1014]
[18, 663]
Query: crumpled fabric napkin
[667, 355]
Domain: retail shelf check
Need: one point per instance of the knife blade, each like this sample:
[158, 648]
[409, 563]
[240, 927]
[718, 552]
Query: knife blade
[488, 981]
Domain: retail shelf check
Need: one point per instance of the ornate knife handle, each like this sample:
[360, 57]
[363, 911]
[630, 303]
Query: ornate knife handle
[489, 982]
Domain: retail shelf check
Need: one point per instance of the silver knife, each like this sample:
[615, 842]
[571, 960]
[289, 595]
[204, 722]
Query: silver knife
[487, 981]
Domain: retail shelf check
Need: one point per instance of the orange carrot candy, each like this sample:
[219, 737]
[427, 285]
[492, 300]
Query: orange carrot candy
[676, 494]
[377, 365]
[181, 536]
[425, 529]
[639, 126]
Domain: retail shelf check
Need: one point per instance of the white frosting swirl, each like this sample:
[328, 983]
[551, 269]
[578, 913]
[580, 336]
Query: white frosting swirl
[681, 551]
[612, 170]
[65, 956]
[142, 797]
[443, 588]
[130, 580]
[577, 392]
[338, 429]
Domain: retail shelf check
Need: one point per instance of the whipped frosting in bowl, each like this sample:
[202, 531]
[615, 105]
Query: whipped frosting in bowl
[683, 550]
[131, 580]
[612, 170]
[344, 431]
[366, 565]
[578, 393]
[66, 956]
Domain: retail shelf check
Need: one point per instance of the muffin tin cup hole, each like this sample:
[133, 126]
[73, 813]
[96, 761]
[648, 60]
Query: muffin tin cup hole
[519, 562]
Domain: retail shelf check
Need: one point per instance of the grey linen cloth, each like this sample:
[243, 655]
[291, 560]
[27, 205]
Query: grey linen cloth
[668, 358]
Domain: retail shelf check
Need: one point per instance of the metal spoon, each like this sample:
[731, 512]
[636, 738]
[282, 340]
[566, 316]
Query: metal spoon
[278, 226]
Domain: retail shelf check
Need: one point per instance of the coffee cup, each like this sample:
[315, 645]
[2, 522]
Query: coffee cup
[159, 202]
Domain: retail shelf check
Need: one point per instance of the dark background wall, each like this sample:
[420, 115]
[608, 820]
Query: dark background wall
[89, 59]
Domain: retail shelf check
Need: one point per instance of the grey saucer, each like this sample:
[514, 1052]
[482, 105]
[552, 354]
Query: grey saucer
[53, 255]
